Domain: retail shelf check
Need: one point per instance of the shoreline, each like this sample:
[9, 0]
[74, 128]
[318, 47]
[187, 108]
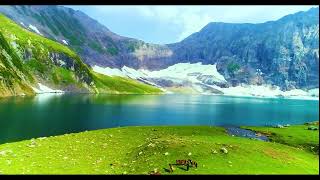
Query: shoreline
[226, 127]
[114, 151]
[310, 98]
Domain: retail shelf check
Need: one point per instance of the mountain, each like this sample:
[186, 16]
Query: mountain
[31, 63]
[282, 53]
[95, 43]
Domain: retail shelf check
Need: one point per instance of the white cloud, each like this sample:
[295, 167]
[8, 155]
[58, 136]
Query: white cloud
[194, 18]
[190, 19]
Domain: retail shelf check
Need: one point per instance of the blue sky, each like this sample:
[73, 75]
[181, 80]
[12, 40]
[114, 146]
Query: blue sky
[169, 24]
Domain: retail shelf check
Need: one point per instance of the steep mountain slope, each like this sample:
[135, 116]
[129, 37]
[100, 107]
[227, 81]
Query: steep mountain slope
[198, 78]
[181, 77]
[95, 43]
[284, 53]
[29, 63]
[12, 80]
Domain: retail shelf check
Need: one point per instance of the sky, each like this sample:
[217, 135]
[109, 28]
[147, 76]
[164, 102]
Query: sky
[169, 24]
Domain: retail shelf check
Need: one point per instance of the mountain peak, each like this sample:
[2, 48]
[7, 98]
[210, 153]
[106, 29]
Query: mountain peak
[284, 52]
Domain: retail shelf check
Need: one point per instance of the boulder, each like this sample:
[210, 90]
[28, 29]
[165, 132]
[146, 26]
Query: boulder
[224, 150]
[313, 128]
[279, 126]
[214, 151]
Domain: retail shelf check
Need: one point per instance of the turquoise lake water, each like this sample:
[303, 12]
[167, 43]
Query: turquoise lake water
[46, 115]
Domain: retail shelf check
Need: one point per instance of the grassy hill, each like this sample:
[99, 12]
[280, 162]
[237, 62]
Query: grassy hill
[141, 150]
[27, 58]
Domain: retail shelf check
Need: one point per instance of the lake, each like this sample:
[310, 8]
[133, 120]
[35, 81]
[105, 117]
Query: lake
[50, 114]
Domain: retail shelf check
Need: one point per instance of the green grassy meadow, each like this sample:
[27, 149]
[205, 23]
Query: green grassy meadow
[143, 150]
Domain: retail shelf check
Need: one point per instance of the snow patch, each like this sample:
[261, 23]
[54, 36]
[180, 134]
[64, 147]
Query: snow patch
[295, 92]
[108, 71]
[267, 91]
[65, 42]
[314, 92]
[193, 73]
[45, 89]
[124, 72]
[35, 29]
[132, 73]
[252, 90]
[62, 63]
[188, 71]
[180, 71]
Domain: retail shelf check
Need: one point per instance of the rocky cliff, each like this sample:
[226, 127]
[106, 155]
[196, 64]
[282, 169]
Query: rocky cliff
[283, 52]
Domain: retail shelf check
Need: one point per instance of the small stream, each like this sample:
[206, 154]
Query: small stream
[237, 131]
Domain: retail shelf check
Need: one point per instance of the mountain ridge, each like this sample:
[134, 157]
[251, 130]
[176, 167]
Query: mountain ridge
[284, 52]
[30, 62]
[267, 47]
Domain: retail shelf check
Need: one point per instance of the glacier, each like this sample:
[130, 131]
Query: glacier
[203, 79]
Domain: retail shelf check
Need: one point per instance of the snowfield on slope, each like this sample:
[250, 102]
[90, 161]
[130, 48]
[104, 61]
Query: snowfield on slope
[35, 29]
[108, 71]
[44, 89]
[191, 72]
[65, 42]
[180, 71]
[269, 91]
[187, 71]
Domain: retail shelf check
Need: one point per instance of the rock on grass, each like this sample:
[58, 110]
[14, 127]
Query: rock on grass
[224, 150]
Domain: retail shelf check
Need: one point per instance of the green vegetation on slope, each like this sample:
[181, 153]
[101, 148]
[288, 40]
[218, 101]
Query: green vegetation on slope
[115, 85]
[297, 136]
[233, 67]
[61, 23]
[63, 76]
[37, 57]
[139, 150]
[12, 73]
[26, 38]
[29, 58]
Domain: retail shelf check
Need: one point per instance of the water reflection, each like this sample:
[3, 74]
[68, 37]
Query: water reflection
[54, 114]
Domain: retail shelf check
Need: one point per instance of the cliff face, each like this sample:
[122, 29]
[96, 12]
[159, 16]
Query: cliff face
[283, 52]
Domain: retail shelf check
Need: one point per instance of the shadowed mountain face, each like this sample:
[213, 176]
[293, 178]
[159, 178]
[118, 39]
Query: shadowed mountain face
[283, 52]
